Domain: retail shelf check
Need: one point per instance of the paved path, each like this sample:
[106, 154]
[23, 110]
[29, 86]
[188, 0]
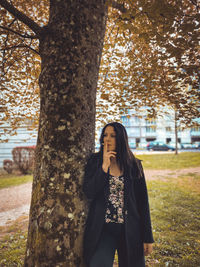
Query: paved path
[159, 174]
[15, 201]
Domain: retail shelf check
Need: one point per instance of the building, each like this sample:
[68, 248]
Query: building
[142, 130]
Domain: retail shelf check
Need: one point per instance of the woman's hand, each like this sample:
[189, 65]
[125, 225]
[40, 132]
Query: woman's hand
[106, 157]
[148, 248]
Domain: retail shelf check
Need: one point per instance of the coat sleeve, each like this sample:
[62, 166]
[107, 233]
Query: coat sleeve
[94, 178]
[143, 207]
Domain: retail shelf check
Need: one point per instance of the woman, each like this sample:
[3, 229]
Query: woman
[119, 217]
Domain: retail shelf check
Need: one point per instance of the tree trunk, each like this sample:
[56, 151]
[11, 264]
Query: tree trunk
[70, 49]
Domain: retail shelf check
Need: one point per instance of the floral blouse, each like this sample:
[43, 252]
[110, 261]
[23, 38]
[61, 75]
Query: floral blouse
[115, 203]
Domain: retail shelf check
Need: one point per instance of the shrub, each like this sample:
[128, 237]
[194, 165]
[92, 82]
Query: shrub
[8, 165]
[23, 157]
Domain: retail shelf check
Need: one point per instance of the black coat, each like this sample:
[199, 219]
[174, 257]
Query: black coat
[137, 216]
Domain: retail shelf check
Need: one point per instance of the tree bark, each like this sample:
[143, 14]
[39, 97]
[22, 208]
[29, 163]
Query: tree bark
[70, 48]
[176, 133]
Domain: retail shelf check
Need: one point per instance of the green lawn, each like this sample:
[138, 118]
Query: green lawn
[176, 221]
[13, 250]
[11, 180]
[13, 243]
[170, 161]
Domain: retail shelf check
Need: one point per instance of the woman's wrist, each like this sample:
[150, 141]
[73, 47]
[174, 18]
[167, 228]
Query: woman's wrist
[105, 168]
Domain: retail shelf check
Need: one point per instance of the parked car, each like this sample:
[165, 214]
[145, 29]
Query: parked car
[159, 146]
[174, 145]
[189, 146]
[151, 144]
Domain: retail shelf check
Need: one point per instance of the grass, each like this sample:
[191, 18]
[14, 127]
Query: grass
[170, 161]
[12, 250]
[175, 221]
[11, 180]
[13, 242]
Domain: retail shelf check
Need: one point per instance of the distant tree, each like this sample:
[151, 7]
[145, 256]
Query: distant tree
[23, 158]
[8, 165]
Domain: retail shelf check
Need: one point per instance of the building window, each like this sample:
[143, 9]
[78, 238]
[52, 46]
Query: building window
[137, 141]
[168, 129]
[151, 129]
[195, 129]
[179, 129]
[126, 120]
[137, 119]
[151, 121]
[150, 139]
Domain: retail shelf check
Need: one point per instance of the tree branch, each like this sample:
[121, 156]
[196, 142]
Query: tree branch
[20, 46]
[122, 9]
[15, 32]
[21, 16]
[12, 22]
[118, 6]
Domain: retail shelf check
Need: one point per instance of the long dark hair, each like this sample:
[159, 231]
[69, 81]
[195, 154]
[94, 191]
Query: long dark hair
[124, 157]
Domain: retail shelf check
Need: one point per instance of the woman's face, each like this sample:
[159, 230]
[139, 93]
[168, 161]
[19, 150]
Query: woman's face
[110, 138]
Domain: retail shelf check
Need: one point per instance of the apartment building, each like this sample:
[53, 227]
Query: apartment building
[142, 130]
